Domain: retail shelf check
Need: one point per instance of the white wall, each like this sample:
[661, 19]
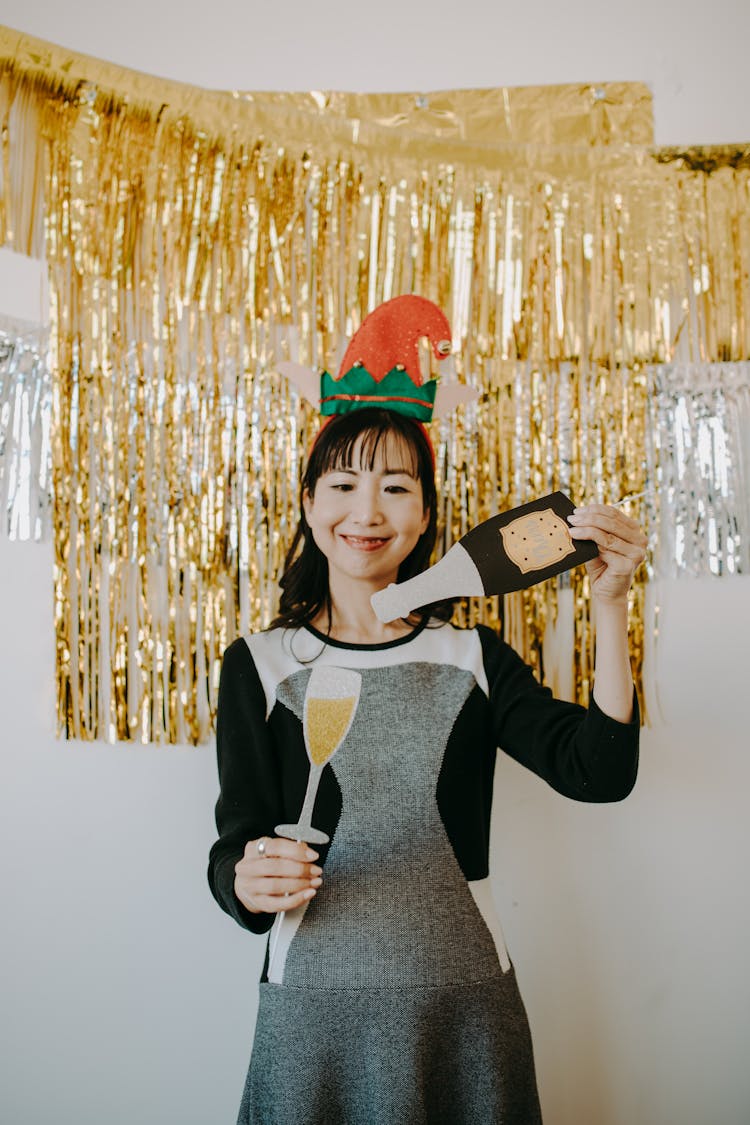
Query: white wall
[126, 995]
[692, 53]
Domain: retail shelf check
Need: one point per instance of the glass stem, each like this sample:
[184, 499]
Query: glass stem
[305, 817]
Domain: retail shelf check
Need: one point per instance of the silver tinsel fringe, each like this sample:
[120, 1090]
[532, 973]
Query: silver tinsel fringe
[25, 413]
[698, 445]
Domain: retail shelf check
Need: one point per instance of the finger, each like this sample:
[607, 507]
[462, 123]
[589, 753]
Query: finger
[287, 868]
[261, 873]
[611, 546]
[259, 894]
[609, 533]
[618, 558]
[260, 887]
[609, 519]
[610, 510]
[280, 848]
[261, 866]
[266, 876]
[274, 904]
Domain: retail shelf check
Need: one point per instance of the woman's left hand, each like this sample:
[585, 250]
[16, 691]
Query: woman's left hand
[622, 548]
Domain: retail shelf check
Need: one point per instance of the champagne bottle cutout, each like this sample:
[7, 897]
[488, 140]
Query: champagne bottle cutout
[507, 552]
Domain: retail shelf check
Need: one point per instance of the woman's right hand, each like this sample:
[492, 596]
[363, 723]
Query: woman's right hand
[280, 877]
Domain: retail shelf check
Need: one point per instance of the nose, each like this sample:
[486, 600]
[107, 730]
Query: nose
[366, 509]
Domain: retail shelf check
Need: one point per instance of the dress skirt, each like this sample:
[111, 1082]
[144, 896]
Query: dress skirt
[445, 1055]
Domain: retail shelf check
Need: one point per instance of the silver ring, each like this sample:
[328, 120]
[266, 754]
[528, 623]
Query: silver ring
[260, 847]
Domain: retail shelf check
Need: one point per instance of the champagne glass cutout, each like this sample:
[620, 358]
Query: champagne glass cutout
[330, 703]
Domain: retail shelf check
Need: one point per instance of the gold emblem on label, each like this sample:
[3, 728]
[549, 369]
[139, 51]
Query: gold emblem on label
[537, 540]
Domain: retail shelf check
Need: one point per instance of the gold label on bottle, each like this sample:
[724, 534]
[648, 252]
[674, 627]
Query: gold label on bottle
[537, 540]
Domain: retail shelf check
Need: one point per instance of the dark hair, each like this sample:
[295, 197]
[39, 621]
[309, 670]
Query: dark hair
[304, 583]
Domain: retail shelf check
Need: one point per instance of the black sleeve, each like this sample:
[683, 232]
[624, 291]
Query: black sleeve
[249, 803]
[580, 752]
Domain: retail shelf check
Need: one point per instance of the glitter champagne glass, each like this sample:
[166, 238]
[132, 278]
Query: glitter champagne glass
[330, 703]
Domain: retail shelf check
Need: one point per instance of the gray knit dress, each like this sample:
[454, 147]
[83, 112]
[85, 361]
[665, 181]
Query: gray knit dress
[390, 997]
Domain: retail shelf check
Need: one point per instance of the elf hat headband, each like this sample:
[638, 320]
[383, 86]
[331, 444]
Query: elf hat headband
[381, 365]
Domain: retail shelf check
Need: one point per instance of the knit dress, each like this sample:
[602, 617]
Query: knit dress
[390, 998]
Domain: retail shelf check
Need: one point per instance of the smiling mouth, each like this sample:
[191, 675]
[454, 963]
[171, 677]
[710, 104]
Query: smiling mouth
[364, 542]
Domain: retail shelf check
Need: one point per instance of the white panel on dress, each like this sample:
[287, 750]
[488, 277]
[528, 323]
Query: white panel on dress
[282, 933]
[482, 892]
[279, 653]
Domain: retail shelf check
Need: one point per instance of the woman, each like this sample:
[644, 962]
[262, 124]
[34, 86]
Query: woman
[387, 993]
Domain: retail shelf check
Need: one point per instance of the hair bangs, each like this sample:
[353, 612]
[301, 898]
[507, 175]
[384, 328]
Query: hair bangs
[340, 445]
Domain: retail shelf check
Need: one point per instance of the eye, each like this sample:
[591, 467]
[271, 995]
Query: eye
[395, 488]
[342, 486]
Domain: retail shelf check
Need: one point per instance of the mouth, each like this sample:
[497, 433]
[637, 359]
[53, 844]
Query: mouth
[365, 542]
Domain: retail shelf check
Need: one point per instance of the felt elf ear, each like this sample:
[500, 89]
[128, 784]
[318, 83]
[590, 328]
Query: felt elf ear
[303, 379]
[450, 393]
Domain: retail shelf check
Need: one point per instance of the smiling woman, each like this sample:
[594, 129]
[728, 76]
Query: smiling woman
[388, 993]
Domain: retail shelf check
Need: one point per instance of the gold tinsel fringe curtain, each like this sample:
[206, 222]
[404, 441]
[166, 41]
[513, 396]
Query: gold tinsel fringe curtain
[195, 239]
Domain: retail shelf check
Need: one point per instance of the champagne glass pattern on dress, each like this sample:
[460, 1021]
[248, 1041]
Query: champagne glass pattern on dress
[330, 703]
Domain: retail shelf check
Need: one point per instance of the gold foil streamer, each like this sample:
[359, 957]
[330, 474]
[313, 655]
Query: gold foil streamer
[196, 238]
[21, 164]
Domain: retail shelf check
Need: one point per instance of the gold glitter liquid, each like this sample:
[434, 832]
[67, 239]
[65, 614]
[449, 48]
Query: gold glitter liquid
[326, 723]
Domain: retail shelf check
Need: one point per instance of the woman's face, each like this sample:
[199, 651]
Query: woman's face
[367, 519]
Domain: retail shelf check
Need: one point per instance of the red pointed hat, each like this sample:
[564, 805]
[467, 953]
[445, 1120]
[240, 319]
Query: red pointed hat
[389, 337]
[381, 364]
